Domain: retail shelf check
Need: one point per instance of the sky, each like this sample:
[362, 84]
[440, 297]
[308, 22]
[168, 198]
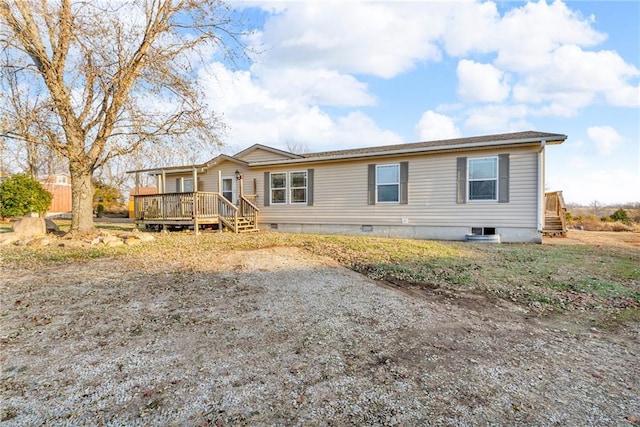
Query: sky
[347, 74]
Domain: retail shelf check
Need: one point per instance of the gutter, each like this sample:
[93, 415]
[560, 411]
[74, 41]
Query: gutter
[541, 171]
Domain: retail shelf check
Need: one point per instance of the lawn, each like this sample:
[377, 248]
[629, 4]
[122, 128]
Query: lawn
[271, 329]
[543, 278]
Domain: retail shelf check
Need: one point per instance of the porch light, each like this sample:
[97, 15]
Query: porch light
[238, 175]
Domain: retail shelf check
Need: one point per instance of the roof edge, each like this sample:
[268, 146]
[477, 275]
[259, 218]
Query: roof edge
[435, 148]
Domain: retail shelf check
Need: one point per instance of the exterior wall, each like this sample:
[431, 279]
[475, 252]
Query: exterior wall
[61, 192]
[340, 199]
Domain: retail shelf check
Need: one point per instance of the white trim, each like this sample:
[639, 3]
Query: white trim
[288, 197]
[541, 173]
[497, 179]
[285, 188]
[290, 188]
[397, 165]
[234, 188]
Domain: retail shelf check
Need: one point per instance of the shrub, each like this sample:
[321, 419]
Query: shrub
[620, 216]
[21, 195]
[106, 195]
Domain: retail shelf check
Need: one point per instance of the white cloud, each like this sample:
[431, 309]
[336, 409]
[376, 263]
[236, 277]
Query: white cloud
[433, 126]
[318, 86]
[496, 118]
[525, 35]
[276, 117]
[573, 78]
[605, 138]
[481, 82]
[380, 39]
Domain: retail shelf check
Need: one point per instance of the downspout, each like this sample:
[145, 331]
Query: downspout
[540, 216]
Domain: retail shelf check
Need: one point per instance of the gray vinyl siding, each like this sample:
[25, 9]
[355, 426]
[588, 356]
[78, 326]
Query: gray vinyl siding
[340, 194]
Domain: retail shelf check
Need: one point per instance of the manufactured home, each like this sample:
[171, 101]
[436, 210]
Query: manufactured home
[449, 189]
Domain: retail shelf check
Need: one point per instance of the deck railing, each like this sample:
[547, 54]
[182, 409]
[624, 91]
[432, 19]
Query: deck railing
[176, 206]
[248, 210]
[195, 206]
[228, 213]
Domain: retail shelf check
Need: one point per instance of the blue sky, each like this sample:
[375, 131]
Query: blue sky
[348, 74]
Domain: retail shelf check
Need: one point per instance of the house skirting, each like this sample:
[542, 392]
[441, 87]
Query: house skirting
[507, 234]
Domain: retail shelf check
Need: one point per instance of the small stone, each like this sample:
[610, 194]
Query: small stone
[42, 241]
[131, 241]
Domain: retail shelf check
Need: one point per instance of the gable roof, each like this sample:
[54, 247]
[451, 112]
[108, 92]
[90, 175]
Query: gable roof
[223, 157]
[457, 144]
[255, 147]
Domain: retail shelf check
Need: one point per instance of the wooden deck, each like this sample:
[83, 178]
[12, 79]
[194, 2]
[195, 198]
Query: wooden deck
[195, 210]
[555, 223]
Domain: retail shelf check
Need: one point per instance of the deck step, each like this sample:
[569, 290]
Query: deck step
[244, 225]
[553, 226]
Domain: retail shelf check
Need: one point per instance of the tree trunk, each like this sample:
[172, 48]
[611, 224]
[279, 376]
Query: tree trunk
[82, 201]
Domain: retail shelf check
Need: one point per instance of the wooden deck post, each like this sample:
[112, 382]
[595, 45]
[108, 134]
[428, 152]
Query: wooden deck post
[196, 228]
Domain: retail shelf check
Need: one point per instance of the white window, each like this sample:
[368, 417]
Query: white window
[61, 179]
[187, 185]
[298, 187]
[388, 183]
[288, 187]
[278, 188]
[483, 178]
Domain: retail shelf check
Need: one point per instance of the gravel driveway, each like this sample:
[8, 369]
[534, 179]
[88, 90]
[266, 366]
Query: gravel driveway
[280, 337]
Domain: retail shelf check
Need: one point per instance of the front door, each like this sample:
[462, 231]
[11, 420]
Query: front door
[229, 189]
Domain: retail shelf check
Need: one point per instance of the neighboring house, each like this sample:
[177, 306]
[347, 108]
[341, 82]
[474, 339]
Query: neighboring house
[486, 185]
[59, 186]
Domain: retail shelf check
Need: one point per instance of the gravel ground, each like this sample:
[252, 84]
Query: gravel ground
[280, 337]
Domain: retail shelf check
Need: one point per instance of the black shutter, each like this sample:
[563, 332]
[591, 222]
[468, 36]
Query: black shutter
[461, 180]
[267, 185]
[404, 183]
[178, 189]
[371, 185]
[503, 178]
[309, 187]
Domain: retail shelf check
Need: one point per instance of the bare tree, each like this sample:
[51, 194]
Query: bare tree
[296, 147]
[21, 118]
[116, 75]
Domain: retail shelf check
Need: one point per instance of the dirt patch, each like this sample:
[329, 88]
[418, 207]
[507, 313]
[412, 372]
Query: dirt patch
[278, 336]
[622, 239]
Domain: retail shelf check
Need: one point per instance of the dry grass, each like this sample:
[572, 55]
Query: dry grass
[540, 277]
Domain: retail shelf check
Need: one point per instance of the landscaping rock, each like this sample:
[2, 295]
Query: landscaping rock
[130, 240]
[8, 238]
[30, 227]
[111, 240]
[41, 241]
[74, 244]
